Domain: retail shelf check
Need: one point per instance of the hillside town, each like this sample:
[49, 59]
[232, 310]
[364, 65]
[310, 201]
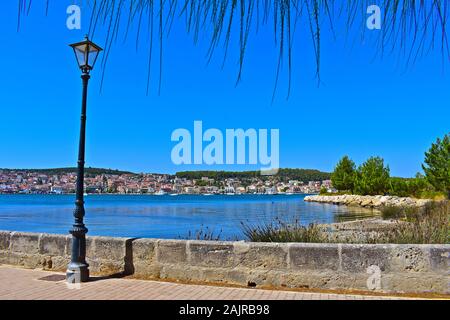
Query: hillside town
[36, 182]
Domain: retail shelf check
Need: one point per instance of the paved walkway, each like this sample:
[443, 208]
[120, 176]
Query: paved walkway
[26, 284]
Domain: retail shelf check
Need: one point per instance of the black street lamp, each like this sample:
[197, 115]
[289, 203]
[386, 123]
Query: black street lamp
[86, 53]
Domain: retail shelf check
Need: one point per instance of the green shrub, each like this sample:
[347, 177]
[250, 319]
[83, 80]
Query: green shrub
[415, 187]
[426, 225]
[399, 187]
[433, 195]
[204, 233]
[323, 191]
[418, 185]
[341, 193]
[284, 232]
[392, 212]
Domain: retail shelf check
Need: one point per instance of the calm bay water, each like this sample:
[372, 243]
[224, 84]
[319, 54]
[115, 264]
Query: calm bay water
[168, 217]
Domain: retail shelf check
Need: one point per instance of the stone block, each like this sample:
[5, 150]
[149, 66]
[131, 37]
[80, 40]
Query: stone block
[56, 263]
[211, 254]
[313, 256]
[25, 242]
[180, 273]
[410, 258]
[105, 267]
[318, 279]
[234, 276]
[357, 258]
[439, 258]
[26, 260]
[144, 270]
[69, 245]
[416, 283]
[53, 245]
[108, 248]
[261, 255]
[90, 247]
[5, 237]
[171, 251]
[143, 250]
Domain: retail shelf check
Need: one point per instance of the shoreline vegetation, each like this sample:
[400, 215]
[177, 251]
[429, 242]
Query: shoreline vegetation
[415, 211]
[401, 221]
[373, 178]
[426, 224]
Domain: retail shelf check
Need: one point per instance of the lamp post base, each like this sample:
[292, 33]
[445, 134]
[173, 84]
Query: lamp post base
[77, 273]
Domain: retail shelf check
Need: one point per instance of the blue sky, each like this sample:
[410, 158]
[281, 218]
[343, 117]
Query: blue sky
[366, 105]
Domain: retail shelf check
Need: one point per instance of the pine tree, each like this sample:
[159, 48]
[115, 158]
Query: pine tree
[372, 177]
[343, 177]
[437, 165]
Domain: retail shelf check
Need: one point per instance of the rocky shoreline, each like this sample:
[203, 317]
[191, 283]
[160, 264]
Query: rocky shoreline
[359, 231]
[375, 202]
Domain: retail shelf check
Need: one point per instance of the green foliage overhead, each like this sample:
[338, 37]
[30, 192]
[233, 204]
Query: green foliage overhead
[372, 177]
[410, 27]
[343, 177]
[437, 164]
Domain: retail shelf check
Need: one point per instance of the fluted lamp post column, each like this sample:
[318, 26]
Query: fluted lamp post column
[86, 53]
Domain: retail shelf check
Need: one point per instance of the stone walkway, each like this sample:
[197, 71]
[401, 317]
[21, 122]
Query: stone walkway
[26, 284]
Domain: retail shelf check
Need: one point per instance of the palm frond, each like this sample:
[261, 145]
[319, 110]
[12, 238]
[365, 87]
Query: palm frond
[411, 27]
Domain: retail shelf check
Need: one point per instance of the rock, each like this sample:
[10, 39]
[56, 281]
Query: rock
[369, 201]
[366, 202]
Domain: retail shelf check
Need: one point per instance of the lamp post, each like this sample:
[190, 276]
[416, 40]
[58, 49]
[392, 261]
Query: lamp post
[86, 53]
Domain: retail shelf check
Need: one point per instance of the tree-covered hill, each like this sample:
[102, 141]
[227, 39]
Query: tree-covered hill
[304, 175]
[59, 171]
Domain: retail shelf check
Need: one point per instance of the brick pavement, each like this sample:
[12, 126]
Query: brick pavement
[16, 283]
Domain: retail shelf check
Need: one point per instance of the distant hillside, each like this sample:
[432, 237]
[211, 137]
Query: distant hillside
[58, 171]
[304, 175]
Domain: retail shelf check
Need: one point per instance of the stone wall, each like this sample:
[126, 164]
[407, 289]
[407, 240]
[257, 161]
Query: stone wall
[384, 268]
[368, 201]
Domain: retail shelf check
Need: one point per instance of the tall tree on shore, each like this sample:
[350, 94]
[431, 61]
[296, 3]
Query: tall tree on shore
[413, 28]
[437, 164]
[372, 177]
[343, 176]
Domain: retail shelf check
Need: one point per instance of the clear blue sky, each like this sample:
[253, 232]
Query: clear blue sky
[366, 105]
